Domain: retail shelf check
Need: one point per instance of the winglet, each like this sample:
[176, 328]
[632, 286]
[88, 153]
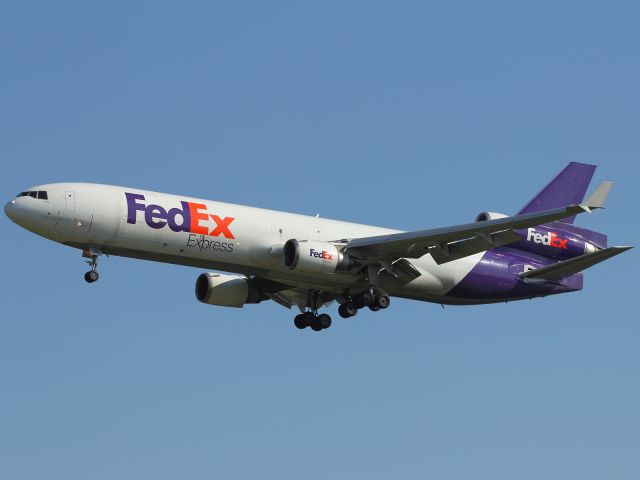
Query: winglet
[597, 198]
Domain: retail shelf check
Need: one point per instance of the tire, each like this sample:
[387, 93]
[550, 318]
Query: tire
[383, 301]
[342, 312]
[374, 308]
[324, 320]
[367, 299]
[315, 324]
[300, 322]
[350, 308]
[363, 300]
[91, 276]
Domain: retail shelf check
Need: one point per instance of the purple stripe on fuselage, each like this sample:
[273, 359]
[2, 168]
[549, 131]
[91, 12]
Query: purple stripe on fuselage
[496, 277]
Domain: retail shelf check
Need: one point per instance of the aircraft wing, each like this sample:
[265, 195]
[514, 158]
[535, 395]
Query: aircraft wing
[451, 243]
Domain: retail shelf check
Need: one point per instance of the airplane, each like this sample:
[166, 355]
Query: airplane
[310, 262]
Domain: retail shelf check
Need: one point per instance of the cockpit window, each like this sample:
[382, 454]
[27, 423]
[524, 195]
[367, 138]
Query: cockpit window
[42, 195]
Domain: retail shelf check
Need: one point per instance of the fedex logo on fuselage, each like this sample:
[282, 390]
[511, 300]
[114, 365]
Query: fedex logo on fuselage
[550, 239]
[324, 255]
[192, 217]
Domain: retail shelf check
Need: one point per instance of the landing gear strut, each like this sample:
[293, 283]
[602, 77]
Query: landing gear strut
[92, 275]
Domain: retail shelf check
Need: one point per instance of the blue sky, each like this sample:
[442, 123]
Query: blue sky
[402, 114]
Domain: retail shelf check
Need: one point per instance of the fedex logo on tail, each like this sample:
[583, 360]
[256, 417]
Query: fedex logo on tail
[192, 217]
[550, 239]
[324, 255]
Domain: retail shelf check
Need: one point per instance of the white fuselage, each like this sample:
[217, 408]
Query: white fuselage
[222, 236]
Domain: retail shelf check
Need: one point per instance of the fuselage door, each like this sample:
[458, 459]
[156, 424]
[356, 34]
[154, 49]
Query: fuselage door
[71, 222]
[70, 198]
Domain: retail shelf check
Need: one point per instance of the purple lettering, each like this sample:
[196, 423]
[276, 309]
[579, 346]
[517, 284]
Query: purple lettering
[133, 206]
[153, 213]
[185, 213]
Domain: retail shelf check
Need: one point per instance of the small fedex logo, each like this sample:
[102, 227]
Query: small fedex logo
[192, 217]
[324, 255]
[550, 239]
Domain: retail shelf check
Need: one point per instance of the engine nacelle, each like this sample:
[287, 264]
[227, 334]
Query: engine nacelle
[225, 290]
[310, 256]
[484, 216]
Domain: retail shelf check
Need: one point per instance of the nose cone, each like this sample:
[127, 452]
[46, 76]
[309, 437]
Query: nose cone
[10, 210]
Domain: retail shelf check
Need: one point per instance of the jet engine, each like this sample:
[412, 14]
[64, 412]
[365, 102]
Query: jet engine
[484, 216]
[226, 290]
[309, 256]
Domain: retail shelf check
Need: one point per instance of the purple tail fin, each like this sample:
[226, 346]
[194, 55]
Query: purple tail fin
[567, 188]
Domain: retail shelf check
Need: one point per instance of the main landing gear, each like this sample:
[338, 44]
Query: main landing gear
[374, 300]
[310, 319]
[92, 275]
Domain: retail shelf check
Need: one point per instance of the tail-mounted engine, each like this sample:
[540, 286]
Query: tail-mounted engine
[484, 216]
[555, 240]
[226, 290]
[309, 256]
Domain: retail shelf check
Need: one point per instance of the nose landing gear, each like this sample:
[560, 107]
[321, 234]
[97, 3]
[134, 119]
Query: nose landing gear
[92, 275]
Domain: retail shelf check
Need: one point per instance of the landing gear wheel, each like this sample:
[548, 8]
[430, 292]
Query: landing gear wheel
[382, 301]
[300, 322]
[324, 320]
[350, 308]
[374, 308]
[310, 320]
[315, 324]
[347, 310]
[367, 299]
[363, 300]
[91, 276]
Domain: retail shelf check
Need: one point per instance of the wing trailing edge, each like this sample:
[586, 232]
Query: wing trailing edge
[458, 241]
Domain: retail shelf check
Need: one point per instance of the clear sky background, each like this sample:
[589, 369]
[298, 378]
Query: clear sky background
[402, 114]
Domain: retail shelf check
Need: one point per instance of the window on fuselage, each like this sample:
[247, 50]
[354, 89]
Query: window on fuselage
[33, 194]
[43, 195]
[22, 194]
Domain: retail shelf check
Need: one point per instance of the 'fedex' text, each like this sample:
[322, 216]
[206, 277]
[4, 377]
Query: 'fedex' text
[324, 255]
[550, 239]
[192, 217]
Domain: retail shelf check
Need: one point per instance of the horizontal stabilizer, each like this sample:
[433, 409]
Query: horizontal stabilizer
[572, 266]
